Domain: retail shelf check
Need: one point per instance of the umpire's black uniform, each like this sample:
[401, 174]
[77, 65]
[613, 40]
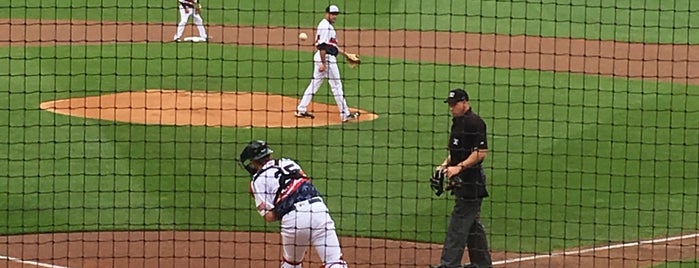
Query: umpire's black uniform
[468, 133]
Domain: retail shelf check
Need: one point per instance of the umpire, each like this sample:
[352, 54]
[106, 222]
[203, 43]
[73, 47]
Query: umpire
[467, 149]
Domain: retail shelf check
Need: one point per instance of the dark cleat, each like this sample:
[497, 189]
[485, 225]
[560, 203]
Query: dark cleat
[304, 115]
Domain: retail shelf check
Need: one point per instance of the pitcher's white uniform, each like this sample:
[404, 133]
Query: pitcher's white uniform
[325, 34]
[187, 8]
[308, 223]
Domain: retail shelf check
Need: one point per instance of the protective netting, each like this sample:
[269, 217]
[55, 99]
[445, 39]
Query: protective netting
[122, 131]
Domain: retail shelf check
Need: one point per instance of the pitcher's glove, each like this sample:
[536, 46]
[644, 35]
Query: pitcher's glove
[437, 182]
[352, 59]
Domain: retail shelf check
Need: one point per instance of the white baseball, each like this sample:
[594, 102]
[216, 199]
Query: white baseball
[303, 36]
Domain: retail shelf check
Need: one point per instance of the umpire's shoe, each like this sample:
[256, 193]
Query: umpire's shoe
[304, 115]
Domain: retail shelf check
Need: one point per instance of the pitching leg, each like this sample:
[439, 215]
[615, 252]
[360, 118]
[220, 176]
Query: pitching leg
[336, 86]
[312, 88]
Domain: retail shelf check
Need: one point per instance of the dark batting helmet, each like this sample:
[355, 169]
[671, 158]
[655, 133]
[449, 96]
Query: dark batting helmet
[255, 150]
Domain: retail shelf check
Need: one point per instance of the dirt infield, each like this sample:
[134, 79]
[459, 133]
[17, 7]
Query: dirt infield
[244, 249]
[667, 62]
[677, 63]
[198, 249]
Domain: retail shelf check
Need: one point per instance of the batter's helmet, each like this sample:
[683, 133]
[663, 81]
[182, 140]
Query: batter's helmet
[255, 150]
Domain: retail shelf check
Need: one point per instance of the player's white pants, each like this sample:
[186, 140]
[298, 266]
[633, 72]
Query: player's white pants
[332, 72]
[184, 18]
[310, 224]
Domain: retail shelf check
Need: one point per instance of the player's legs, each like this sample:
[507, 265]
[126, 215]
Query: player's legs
[336, 86]
[324, 237]
[462, 217]
[312, 88]
[200, 25]
[477, 242]
[184, 17]
[296, 237]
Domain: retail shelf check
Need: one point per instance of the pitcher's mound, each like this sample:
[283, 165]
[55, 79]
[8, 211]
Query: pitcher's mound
[199, 108]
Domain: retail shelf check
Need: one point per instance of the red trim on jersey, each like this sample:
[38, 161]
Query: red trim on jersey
[295, 184]
[333, 41]
[339, 262]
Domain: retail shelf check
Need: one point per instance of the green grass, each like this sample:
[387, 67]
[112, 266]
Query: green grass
[652, 21]
[575, 160]
[678, 264]
[596, 159]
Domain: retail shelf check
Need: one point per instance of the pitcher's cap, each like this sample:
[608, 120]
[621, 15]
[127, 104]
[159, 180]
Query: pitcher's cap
[456, 95]
[332, 9]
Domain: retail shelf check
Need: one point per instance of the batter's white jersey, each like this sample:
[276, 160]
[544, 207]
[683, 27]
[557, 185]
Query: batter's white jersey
[308, 223]
[266, 183]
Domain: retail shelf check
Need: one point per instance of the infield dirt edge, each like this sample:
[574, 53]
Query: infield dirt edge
[200, 108]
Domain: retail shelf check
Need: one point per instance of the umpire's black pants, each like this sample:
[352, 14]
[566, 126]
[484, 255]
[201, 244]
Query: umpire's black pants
[465, 228]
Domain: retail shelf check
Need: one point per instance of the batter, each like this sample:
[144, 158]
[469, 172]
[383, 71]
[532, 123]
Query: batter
[282, 191]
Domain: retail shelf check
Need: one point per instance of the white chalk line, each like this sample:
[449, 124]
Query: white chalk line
[581, 251]
[35, 263]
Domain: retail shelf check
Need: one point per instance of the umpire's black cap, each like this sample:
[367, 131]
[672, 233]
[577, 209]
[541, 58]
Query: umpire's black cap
[456, 95]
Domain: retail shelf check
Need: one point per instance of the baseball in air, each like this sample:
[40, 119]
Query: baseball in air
[303, 36]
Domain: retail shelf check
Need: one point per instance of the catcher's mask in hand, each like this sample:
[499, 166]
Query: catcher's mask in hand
[437, 182]
[255, 150]
[454, 182]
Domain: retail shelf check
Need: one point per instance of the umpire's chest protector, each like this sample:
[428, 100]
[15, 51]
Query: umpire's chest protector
[468, 135]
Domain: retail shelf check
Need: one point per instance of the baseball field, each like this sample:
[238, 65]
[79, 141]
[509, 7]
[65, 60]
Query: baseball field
[120, 145]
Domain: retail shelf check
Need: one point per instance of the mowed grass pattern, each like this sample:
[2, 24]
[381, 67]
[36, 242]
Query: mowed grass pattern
[649, 21]
[575, 160]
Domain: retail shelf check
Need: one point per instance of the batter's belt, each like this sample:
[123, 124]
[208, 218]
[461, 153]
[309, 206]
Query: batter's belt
[308, 202]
